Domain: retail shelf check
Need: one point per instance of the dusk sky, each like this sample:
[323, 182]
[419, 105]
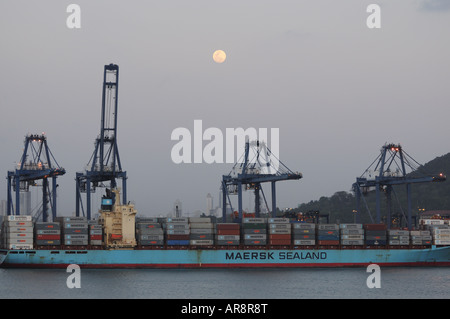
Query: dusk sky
[336, 89]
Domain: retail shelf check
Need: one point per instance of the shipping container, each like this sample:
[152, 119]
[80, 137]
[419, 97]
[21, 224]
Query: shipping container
[254, 220]
[375, 226]
[256, 242]
[280, 242]
[328, 227]
[20, 218]
[175, 242]
[352, 242]
[302, 242]
[228, 237]
[201, 242]
[278, 220]
[231, 226]
[228, 242]
[303, 226]
[328, 242]
[350, 226]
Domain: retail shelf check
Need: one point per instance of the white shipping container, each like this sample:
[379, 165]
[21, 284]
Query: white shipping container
[19, 246]
[441, 231]
[201, 242]
[19, 218]
[19, 235]
[202, 225]
[23, 223]
[255, 220]
[351, 226]
[442, 242]
[442, 236]
[21, 241]
[199, 220]
[280, 231]
[278, 220]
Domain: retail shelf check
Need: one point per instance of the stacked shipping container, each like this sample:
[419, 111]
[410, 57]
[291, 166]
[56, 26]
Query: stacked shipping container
[279, 231]
[228, 234]
[375, 234]
[303, 234]
[149, 232]
[18, 232]
[202, 231]
[177, 231]
[47, 233]
[95, 233]
[398, 237]
[352, 234]
[74, 230]
[328, 234]
[254, 231]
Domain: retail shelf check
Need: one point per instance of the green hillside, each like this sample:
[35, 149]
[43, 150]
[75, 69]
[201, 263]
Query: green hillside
[425, 196]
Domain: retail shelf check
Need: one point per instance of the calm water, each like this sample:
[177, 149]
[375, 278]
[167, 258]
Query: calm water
[423, 283]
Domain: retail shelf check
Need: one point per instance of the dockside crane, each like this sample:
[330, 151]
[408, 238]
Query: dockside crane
[249, 174]
[37, 163]
[387, 170]
[104, 165]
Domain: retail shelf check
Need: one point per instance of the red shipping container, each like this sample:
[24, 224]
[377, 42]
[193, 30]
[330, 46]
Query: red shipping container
[280, 242]
[280, 236]
[95, 237]
[48, 237]
[328, 242]
[178, 237]
[228, 232]
[375, 226]
[228, 226]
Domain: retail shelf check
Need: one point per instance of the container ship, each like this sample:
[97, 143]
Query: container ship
[119, 239]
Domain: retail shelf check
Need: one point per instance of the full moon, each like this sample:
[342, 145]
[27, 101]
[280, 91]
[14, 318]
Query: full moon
[219, 56]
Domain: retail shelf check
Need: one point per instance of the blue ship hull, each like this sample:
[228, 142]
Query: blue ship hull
[227, 258]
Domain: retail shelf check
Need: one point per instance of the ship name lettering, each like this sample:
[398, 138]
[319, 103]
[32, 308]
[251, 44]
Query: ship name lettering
[249, 255]
[300, 255]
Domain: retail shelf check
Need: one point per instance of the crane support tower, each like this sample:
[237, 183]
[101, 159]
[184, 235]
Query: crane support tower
[387, 170]
[37, 163]
[104, 165]
[251, 173]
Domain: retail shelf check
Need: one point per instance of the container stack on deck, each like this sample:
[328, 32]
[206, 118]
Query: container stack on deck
[95, 233]
[254, 231]
[352, 234]
[47, 234]
[228, 234]
[149, 232]
[279, 231]
[202, 231]
[398, 237]
[304, 234]
[328, 234]
[375, 234]
[439, 231]
[74, 230]
[17, 232]
[177, 231]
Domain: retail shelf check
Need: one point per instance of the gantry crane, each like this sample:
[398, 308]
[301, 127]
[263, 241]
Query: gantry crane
[251, 173]
[387, 170]
[35, 164]
[104, 165]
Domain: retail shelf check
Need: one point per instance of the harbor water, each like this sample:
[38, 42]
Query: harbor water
[318, 283]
